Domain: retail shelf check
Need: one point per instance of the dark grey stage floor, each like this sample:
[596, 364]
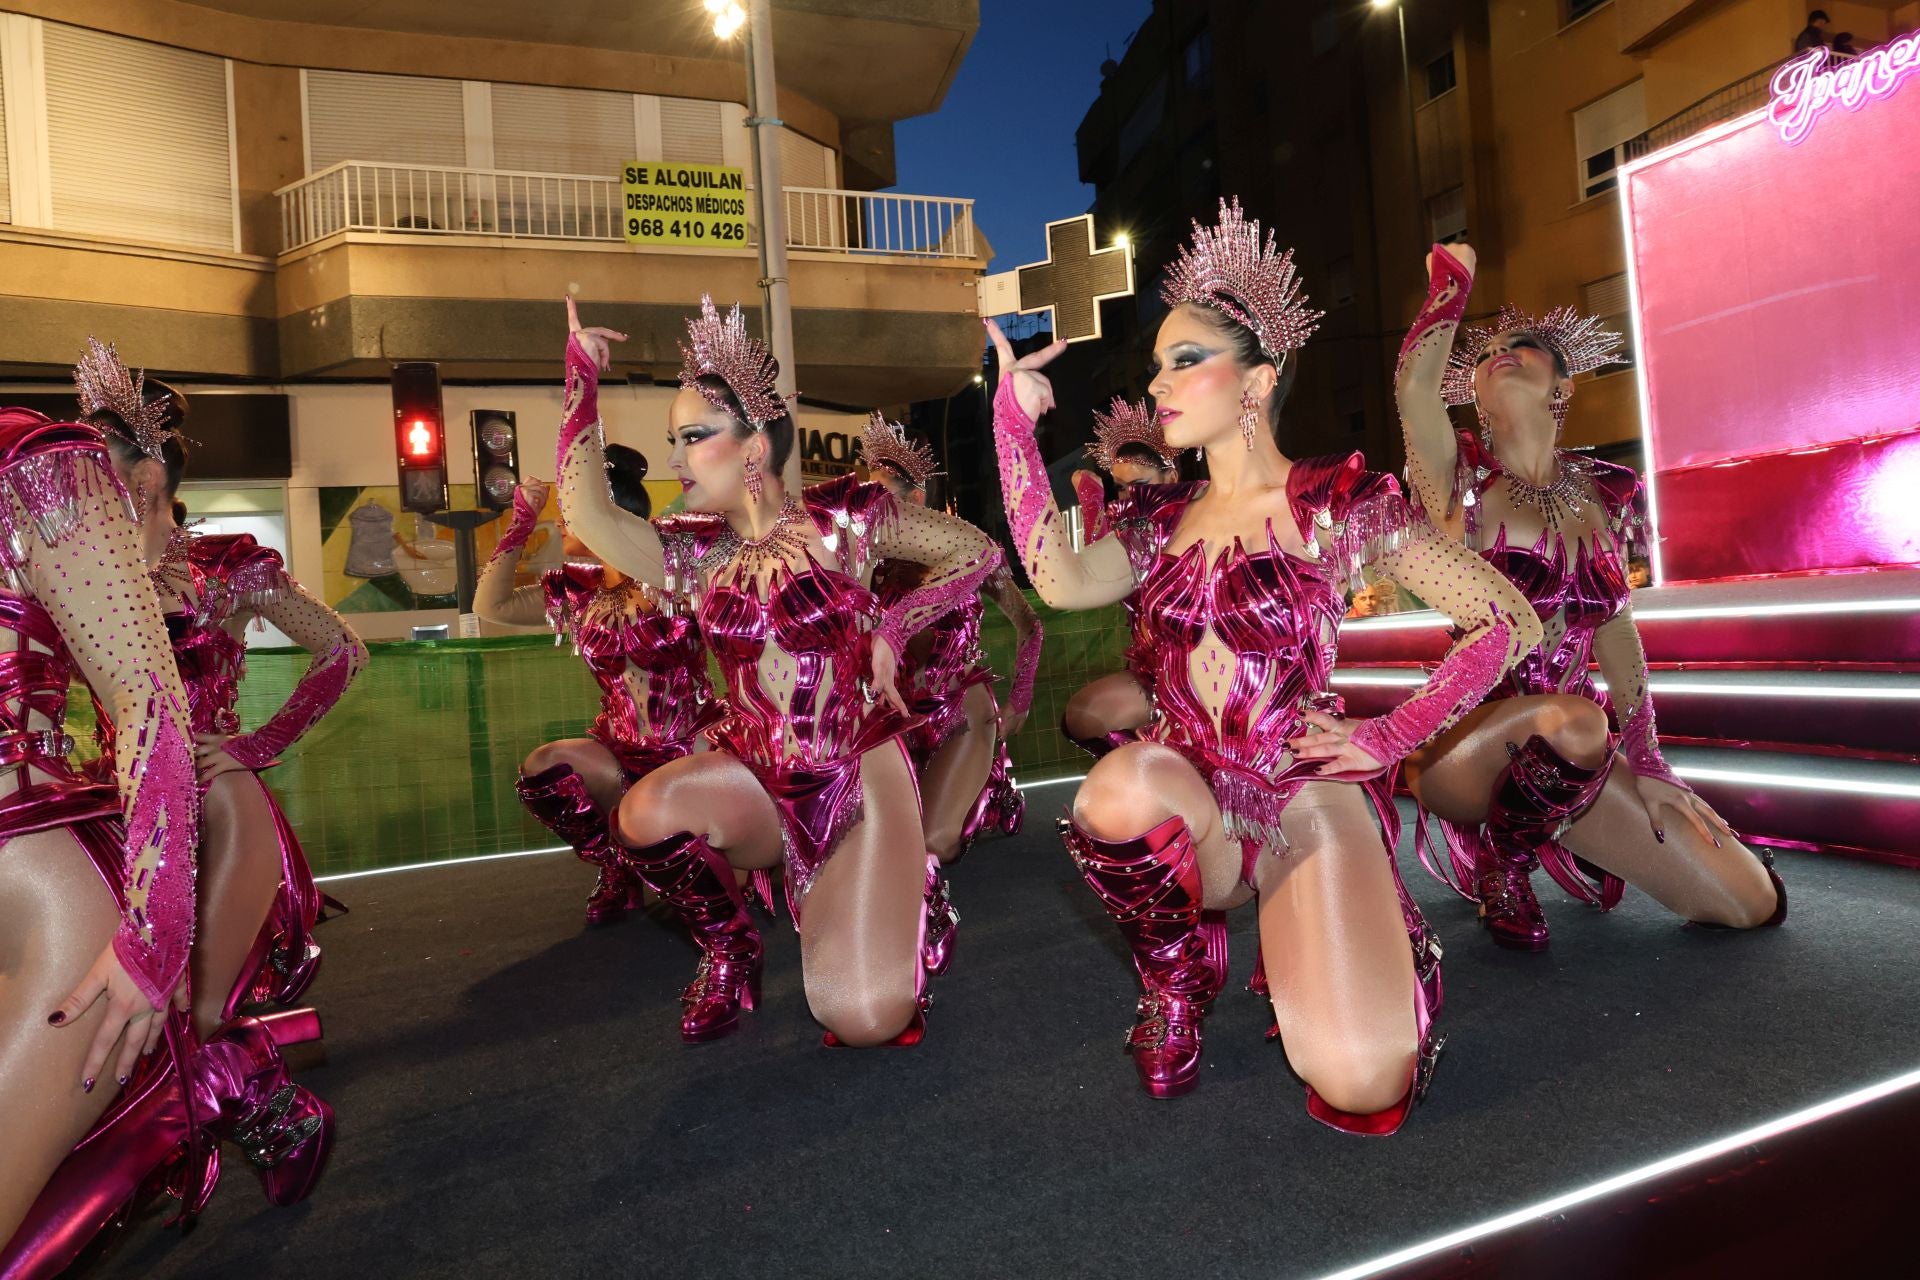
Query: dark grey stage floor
[514, 1100]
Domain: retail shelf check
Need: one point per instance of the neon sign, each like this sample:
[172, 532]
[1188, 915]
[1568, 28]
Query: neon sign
[1806, 87]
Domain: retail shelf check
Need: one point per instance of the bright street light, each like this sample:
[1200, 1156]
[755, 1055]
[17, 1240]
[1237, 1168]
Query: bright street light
[728, 17]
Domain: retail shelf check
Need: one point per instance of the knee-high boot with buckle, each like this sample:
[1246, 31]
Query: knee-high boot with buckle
[691, 877]
[246, 1096]
[1150, 885]
[1535, 799]
[559, 801]
[943, 921]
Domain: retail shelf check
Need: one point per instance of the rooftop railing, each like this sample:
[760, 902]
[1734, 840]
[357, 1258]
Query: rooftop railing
[428, 200]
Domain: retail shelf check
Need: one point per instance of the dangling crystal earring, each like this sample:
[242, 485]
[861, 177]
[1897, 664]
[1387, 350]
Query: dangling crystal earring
[753, 479]
[1249, 416]
[1559, 407]
[1486, 428]
[144, 500]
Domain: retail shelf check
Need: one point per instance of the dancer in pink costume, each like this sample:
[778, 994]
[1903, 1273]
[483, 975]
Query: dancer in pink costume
[1130, 447]
[97, 885]
[810, 767]
[960, 749]
[1249, 782]
[1534, 777]
[655, 697]
[258, 901]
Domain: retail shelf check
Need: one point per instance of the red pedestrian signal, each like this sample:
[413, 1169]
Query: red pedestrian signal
[420, 436]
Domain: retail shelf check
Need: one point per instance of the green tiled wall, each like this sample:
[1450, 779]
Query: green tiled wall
[417, 761]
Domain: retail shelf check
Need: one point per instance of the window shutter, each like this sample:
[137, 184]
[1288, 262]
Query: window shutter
[6, 194]
[1606, 297]
[116, 106]
[541, 129]
[690, 131]
[408, 120]
[803, 162]
[1609, 122]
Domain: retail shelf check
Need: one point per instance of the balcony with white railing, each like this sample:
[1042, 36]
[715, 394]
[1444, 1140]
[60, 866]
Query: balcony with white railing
[355, 197]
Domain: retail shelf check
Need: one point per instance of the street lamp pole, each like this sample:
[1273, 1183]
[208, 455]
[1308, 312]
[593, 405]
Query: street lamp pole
[762, 103]
[770, 205]
[1413, 127]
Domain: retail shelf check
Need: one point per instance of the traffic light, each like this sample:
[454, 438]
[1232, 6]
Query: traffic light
[496, 457]
[420, 436]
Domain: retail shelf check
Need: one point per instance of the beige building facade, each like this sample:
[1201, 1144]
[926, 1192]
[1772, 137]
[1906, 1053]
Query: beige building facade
[284, 197]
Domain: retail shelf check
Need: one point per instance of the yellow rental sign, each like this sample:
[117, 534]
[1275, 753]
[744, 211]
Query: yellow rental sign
[667, 203]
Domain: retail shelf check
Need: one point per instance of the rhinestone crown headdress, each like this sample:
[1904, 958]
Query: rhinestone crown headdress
[721, 347]
[1227, 267]
[1127, 422]
[885, 444]
[1578, 340]
[103, 382]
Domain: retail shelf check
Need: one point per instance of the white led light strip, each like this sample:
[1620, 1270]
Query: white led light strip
[1645, 1173]
[559, 848]
[1791, 609]
[442, 862]
[1390, 679]
[1801, 782]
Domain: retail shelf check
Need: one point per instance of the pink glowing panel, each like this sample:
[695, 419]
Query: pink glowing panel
[1777, 294]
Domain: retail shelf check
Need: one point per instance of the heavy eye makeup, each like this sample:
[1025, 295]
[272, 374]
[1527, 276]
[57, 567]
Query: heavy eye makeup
[1522, 341]
[688, 436]
[1183, 356]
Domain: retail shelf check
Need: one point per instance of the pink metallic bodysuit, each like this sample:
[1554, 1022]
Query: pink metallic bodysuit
[655, 697]
[804, 740]
[948, 658]
[1276, 615]
[1580, 598]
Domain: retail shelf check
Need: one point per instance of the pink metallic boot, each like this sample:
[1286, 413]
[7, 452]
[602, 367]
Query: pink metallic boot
[1535, 799]
[558, 800]
[943, 922]
[693, 879]
[144, 1145]
[245, 1096]
[1150, 885]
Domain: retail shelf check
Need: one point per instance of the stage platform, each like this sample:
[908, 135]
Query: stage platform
[514, 1100]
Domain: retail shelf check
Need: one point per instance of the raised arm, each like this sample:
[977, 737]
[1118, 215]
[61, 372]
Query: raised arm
[958, 558]
[1028, 634]
[83, 565]
[338, 657]
[620, 538]
[1497, 627]
[495, 598]
[1099, 574]
[1432, 451]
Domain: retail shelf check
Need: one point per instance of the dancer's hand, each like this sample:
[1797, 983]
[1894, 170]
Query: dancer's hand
[886, 667]
[1010, 723]
[597, 343]
[210, 758]
[1462, 254]
[1666, 803]
[1030, 387]
[535, 493]
[127, 1010]
[1333, 745]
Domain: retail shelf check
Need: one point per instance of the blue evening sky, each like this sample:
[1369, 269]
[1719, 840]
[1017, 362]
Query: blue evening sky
[1004, 135]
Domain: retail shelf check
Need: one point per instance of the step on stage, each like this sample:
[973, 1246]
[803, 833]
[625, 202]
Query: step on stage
[514, 1101]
